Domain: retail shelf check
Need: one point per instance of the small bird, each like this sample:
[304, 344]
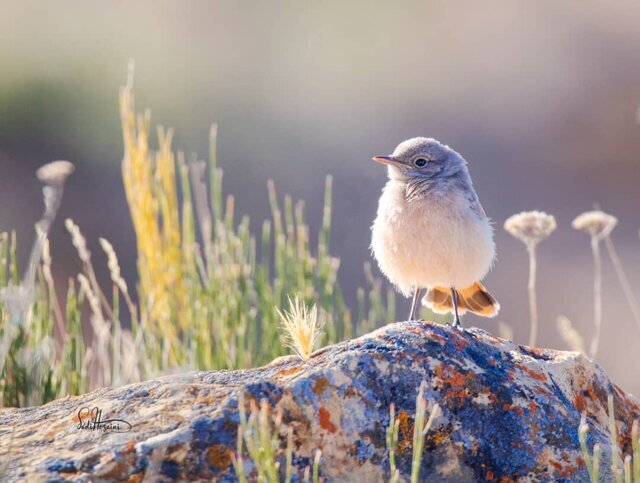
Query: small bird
[431, 231]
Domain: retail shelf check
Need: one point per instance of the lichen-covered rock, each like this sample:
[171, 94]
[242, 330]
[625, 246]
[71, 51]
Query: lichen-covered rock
[508, 412]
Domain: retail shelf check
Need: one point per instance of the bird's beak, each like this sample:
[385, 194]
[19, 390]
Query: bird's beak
[387, 160]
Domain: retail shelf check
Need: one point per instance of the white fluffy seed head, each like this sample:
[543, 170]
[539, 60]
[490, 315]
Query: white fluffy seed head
[596, 223]
[55, 172]
[530, 227]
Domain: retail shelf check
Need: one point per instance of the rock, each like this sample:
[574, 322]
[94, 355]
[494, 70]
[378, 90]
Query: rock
[508, 412]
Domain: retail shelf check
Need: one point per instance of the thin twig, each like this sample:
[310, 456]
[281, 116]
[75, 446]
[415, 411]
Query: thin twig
[533, 301]
[624, 280]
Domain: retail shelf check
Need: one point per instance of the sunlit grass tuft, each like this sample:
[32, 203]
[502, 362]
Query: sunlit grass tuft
[301, 327]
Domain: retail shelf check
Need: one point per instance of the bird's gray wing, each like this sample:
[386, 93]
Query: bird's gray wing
[474, 202]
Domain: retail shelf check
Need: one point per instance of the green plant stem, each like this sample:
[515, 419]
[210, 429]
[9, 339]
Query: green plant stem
[597, 296]
[533, 302]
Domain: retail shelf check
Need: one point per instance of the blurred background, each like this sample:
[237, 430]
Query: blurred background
[540, 97]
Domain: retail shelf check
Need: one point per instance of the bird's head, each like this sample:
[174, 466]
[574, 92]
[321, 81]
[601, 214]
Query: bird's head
[422, 158]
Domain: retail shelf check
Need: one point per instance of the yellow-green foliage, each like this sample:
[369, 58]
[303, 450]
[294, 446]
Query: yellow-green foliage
[207, 293]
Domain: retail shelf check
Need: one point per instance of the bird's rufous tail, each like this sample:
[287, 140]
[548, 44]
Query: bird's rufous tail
[475, 299]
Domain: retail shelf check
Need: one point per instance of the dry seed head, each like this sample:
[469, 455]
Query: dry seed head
[302, 329]
[596, 223]
[114, 266]
[94, 303]
[583, 427]
[530, 227]
[78, 240]
[55, 172]
[570, 335]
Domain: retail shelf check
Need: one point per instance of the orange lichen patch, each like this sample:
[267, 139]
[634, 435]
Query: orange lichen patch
[541, 352]
[219, 456]
[414, 330]
[460, 342]
[512, 407]
[580, 402]
[455, 384]
[542, 391]
[207, 399]
[532, 406]
[135, 478]
[113, 469]
[435, 438]
[489, 475]
[493, 339]
[556, 465]
[563, 470]
[593, 394]
[287, 371]
[320, 385]
[538, 376]
[325, 421]
[405, 430]
[438, 337]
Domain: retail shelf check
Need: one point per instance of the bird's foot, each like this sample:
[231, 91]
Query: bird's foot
[456, 323]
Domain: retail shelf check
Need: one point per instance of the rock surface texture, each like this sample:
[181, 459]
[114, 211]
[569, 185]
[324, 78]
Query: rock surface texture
[508, 412]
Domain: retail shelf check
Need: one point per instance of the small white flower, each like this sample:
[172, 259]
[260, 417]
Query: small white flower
[531, 226]
[596, 223]
[55, 172]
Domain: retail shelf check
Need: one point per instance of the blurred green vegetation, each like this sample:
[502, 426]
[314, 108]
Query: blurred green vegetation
[207, 292]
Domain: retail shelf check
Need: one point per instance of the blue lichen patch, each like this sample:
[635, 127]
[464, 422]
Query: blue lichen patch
[60, 465]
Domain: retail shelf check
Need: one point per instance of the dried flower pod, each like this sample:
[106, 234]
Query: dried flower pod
[530, 227]
[55, 172]
[596, 223]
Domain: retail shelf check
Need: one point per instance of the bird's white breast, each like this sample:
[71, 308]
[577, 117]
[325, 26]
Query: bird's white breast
[431, 241]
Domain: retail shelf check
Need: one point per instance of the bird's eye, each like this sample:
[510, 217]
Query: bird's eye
[420, 162]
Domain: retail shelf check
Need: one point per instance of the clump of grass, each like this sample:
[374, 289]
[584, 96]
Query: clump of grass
[213, 290]
[301, 327]
[616, 463]
[208, 285]
[420, 429]
[592, 460]
[259, 432]
[625, 469]
[392, 443]
[531, 227]
[28, 316]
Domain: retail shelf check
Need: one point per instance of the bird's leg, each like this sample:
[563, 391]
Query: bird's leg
[454, 297]
[415, 305]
